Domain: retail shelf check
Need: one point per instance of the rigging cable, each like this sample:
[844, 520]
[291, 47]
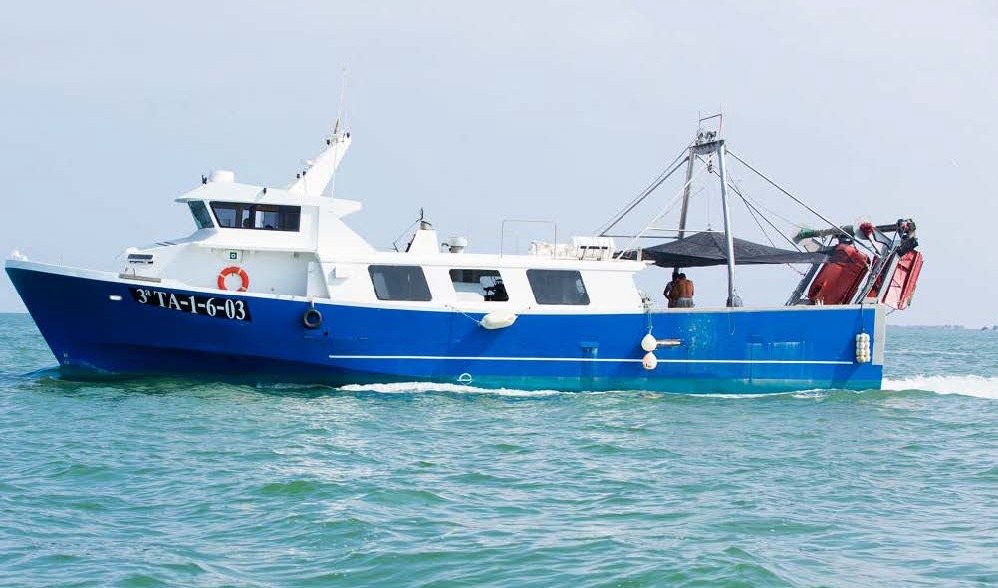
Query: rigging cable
[670, 169]
[776, 214]
[668, 207]
[759, 205]
[788, 194]
[754, 206]
[798, 201]
[764, 233]
[753, 211]
[395, 245]
[706, 214]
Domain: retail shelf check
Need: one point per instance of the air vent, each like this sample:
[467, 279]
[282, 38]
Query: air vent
[140, 258]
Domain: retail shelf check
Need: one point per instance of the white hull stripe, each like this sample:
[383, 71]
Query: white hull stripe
[594, 359]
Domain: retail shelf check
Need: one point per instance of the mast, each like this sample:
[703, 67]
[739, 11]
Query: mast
[703, 136]
[733, 298]
[686, 194]
[318, 173]
[709, 143]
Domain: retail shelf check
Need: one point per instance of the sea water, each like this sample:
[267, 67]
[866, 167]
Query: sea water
[170, 482]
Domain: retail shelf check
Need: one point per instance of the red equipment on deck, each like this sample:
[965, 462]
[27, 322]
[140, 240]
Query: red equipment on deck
[893, 273]
[902, 285]
[840, 277]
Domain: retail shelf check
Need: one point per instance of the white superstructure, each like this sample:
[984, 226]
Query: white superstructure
[293, 242]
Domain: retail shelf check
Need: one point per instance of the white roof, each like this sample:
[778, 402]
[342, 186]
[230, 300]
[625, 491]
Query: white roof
[235, 192]
[306, 190]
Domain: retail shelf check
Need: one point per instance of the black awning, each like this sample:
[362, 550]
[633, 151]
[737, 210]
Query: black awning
[704, 249]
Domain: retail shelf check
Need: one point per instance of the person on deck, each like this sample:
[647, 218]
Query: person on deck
[496, 292]
[670, 289]
[683, 290]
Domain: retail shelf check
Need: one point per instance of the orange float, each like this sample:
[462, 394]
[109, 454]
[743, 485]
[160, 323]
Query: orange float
[233, 270]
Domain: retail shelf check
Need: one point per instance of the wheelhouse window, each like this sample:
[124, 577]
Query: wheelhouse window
[200, 213]
[478, 284]
[243, 215]
[229, 215]
[558, 287]
[399, 282]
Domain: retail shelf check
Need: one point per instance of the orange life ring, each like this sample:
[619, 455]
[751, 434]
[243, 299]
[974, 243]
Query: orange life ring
[233, 269]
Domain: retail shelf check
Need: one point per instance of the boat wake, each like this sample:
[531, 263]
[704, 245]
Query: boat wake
[968, 385]
[978, 386]
[430, 388]
[423, 387]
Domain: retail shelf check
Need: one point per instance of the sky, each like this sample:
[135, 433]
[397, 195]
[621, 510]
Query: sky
[477, 112]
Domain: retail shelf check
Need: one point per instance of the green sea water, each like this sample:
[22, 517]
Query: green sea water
[167, 482]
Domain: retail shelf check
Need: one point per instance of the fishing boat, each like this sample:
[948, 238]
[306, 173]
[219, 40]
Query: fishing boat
[274, 286]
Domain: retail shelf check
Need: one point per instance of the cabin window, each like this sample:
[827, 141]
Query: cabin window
[558, 287]
[399, 282]
[478, 284]
[200, 213]
[243, 215]
[228, 215]
[278, 218]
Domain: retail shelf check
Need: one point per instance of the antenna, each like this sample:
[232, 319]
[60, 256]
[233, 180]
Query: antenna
[340, 114]
[341, 110]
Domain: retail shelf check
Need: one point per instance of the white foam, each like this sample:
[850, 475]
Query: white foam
[978, 386]
[429, 387]
[422, 387]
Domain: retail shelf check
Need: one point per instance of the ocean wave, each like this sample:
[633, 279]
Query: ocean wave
[934, 352]
[978, 386]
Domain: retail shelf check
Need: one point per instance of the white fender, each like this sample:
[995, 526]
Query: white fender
[497, 320]
[862, 348]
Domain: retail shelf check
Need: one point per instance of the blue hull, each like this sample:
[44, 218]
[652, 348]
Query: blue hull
[722, 350]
